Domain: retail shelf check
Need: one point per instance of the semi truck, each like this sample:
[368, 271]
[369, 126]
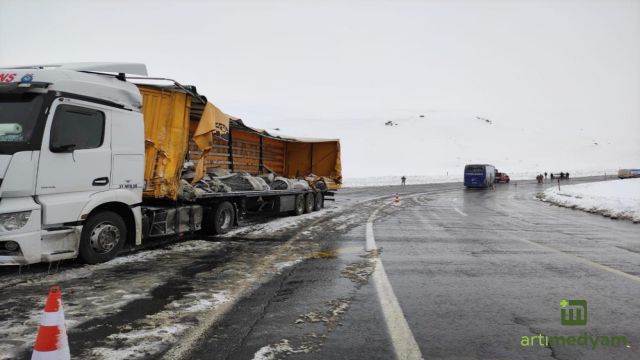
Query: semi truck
[98, 156]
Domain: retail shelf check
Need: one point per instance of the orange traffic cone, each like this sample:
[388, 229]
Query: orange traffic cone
[51, 341]
[396, 201]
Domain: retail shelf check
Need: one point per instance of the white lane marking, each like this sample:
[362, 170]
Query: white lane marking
[585, 261]
[459, 212]
[404, 344]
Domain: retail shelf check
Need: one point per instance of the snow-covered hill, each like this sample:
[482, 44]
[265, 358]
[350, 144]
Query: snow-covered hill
[435, 147]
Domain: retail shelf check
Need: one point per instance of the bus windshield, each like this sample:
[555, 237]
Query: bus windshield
[474, 169]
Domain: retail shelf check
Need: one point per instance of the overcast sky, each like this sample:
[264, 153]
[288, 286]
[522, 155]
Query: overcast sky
[308, 66]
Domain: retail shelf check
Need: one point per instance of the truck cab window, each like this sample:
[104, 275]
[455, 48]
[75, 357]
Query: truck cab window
[76, 128]
[18, 117]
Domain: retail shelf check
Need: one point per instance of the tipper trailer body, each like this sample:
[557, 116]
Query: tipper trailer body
[90, 161]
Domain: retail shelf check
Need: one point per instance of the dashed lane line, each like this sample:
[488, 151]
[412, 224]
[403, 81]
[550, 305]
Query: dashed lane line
[584, 261]
[459, 211]
[404, 344]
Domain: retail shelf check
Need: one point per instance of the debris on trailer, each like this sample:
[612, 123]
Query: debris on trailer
[281, 183]
[245, 182]
[316, 182]
[300, 185]
[187, 192]
[268, 178]
[218, 172]
[213, 185]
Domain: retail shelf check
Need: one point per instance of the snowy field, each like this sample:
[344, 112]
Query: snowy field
[451, 177]
[616, 198]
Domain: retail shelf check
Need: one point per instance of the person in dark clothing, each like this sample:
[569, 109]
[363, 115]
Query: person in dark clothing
[551, 176]
[404, 180]
[561, 176]
[566, 176]
[545, 174]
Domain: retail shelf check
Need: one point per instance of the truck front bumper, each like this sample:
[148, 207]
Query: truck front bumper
[29, 252]
[28, 238]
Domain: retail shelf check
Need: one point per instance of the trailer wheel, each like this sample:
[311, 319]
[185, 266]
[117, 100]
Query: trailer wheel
[103, 235]
[299, 205]
[223, 219]
[319, 203]
[309, 203]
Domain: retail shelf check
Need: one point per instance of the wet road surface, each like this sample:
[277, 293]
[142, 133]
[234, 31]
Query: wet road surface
[468, 274]
[474, 271]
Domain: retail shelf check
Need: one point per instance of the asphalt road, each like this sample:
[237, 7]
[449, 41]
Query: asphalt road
[448, 273]
[473, 272]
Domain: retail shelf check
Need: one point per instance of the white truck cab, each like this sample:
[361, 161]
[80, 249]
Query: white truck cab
[71, 162]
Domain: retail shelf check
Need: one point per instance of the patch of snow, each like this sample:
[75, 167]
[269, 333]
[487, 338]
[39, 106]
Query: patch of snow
[278, 224]
[145, 255]
[271, 352]
[616, 198]
[202, 302]
[139, 343]
[283, 265]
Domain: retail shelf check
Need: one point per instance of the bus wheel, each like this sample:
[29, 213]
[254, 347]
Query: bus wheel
[103, 235]
[299, 205]
[319, 203]
[223, 218]
[308, 203]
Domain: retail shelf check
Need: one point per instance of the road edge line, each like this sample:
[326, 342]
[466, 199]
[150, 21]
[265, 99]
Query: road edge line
[404, 343]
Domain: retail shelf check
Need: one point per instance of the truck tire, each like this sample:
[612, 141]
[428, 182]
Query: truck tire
[222, 220]
[299, 205]
[309, 203]
[103, 235]
[319, 203]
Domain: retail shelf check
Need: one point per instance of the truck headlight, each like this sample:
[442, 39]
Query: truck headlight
[14, 221]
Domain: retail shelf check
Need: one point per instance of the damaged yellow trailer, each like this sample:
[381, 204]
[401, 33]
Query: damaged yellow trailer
[182, 127]
[197, 155]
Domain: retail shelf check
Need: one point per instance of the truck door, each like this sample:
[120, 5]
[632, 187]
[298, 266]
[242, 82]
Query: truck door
[75, 159]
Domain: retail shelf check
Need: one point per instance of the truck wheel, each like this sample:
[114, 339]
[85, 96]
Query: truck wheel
[308, 203]
[103, 235]
[223, 218]
[319, 203]
[299, 209]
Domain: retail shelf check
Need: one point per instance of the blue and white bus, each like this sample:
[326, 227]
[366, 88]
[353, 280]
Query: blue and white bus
[479, 176]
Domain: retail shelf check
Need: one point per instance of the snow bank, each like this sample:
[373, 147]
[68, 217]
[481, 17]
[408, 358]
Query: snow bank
[616, 198]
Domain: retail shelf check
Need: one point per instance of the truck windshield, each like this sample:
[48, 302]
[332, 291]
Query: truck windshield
[19, 115]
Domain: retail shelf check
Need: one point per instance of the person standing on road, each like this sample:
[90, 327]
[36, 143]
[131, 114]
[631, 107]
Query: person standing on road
[545, 174]
[566, 176]
[404, 180]
[561, 176]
